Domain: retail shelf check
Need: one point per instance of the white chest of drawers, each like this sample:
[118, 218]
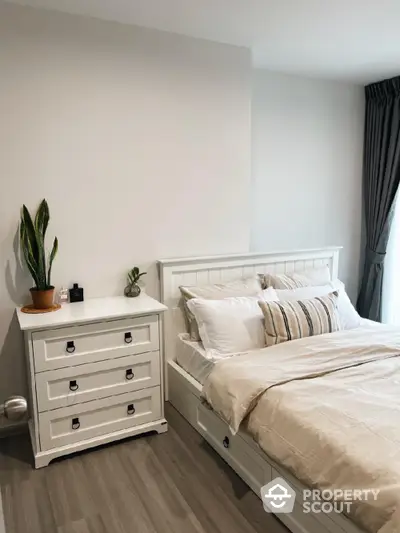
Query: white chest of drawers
[95, 373]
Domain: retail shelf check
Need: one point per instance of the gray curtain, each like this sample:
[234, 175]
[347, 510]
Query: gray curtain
[381, 180]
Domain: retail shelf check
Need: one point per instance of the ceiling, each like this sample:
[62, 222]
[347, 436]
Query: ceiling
[350, 40]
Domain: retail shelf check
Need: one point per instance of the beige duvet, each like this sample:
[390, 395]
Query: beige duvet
[328, 409]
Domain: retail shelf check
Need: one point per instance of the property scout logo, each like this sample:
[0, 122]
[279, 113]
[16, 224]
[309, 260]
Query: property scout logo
[279, 497]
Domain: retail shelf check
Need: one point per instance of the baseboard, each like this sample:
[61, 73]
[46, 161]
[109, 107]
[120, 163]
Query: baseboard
[13, 428]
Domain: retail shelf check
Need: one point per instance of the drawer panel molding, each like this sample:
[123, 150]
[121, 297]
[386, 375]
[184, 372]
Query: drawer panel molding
[73, 385]
[65, 347]
[68, 425]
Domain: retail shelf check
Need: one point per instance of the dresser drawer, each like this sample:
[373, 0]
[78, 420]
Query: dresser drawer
[68, 425]
[83, 383]
[59, 348]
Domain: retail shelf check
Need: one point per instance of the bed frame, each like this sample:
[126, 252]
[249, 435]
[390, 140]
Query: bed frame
[240, 451]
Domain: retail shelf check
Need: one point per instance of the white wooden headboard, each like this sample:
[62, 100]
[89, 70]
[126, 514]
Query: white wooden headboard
[217, 269]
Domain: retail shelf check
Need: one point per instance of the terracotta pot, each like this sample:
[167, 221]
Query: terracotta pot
[42, 299]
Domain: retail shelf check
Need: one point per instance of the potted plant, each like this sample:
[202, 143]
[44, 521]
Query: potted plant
[133, 289]
[32, 238]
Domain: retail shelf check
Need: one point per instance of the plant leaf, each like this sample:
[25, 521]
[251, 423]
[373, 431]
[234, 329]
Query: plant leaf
[41, 222]
[30, 231]
[42, 218]
[51, 259]
[41, 271]
[27, 255]
[30, 245]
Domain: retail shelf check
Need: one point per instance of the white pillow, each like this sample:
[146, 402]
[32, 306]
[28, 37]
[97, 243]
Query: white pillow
[231, 325]
[295, 280]
[239, 287]
[349, 318]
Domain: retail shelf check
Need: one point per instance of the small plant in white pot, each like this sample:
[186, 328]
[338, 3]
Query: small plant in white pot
[132, 289]
[32, 235]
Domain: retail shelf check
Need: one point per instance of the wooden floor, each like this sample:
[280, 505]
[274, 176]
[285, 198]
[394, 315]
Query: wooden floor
[170, 483]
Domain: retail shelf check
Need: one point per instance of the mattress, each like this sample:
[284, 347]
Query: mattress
[191, 356]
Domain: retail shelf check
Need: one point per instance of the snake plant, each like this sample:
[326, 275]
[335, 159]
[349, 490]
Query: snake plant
[32, 238]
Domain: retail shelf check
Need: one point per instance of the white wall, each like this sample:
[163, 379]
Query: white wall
[307, 138]
[139, 140]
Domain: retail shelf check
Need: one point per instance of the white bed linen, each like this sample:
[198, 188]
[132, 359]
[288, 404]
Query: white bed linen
[327, 410]
[191, 356]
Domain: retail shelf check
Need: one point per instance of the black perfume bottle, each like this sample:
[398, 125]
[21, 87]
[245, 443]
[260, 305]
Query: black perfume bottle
[76, 293]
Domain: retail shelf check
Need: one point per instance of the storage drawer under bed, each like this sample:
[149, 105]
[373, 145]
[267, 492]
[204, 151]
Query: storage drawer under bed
[232, 448]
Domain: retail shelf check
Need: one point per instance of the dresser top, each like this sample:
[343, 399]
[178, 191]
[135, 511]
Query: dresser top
[91, 310]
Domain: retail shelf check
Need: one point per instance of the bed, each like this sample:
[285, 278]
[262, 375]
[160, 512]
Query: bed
[187, 370]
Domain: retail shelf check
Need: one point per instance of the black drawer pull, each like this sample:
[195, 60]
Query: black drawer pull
[73, 385]
[75, 423]
[70, 347]
[225, 442]
[128, 337]
[129, 374]
[131, 409]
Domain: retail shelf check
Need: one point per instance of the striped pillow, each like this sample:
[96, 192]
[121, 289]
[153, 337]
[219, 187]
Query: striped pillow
[286, 321]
